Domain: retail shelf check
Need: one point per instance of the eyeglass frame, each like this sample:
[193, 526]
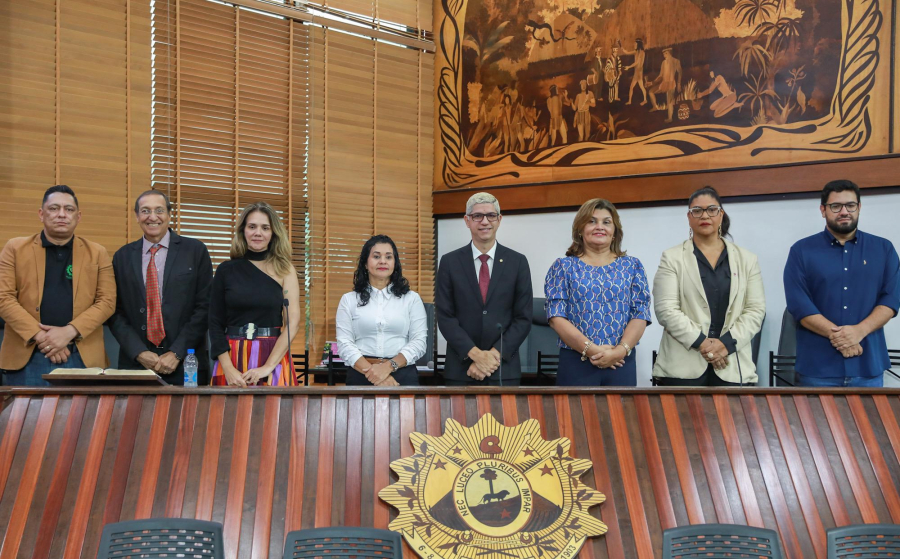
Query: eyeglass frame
[157, 211]
[842, 206]
[706, 210]
[496, 218]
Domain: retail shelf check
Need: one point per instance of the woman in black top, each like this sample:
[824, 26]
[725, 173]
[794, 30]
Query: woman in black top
[247, 304]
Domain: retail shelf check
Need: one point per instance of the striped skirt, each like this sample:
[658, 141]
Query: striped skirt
[249, 354]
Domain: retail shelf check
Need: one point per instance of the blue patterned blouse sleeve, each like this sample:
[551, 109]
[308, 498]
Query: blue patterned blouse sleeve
[556, 290]
[640, 294]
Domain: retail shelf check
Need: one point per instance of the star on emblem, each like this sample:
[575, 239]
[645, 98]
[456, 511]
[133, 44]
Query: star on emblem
[515, 504]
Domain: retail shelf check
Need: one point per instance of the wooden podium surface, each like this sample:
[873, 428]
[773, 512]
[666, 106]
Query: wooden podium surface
[267, 461]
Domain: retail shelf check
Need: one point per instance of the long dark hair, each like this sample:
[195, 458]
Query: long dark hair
[710, 191]
[399, 285]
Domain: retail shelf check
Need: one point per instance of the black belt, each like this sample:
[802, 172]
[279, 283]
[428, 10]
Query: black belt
[250, 332]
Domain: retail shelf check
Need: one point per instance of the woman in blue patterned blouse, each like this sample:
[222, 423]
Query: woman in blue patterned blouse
[598, 302]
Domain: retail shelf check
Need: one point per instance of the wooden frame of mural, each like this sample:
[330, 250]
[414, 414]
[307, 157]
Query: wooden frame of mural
[642, 100]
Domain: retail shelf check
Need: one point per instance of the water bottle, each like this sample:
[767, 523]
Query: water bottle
[190, 369]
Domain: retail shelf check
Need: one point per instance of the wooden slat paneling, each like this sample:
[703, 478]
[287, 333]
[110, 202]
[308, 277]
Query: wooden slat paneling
[770, 475]
[25, 492]
[226, 451]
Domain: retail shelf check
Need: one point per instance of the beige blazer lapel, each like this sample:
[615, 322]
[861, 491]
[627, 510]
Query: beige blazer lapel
[692, 269]
[734, 262]
[40, 263]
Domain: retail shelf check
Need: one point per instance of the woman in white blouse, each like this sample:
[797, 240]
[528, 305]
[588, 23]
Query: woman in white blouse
[381, 324]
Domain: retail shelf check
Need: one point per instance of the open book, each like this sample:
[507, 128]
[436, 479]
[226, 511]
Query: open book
[146, 373]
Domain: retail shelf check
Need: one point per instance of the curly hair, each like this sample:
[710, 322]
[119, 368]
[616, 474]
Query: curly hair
[399, 285]
[584, 216]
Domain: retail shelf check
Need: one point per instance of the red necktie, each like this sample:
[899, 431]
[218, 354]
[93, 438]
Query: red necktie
[484, 277]
[156, 332]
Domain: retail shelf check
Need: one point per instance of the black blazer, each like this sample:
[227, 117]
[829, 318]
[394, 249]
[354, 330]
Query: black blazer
[466, 321]
[185, 305]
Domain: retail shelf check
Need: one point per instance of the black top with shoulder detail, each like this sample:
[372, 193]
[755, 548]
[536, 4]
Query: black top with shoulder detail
[241, 293]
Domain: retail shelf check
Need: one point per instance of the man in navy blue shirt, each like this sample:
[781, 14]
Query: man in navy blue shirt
[842, 286]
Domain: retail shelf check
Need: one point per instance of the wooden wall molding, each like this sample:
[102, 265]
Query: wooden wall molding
[867, 173]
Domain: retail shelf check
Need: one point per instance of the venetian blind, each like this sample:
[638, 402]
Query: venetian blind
[330, 128]
[224, 127]
[370, 165]
[75, 109]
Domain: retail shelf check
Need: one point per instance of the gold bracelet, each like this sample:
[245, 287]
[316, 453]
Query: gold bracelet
[587, 346]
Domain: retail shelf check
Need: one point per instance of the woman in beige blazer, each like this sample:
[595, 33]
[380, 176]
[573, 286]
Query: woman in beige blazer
[708, 295]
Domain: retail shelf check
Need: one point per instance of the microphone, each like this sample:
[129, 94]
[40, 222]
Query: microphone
[500, 369]
[287, 321]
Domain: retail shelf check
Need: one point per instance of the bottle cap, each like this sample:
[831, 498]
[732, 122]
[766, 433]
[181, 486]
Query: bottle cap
[190, 352]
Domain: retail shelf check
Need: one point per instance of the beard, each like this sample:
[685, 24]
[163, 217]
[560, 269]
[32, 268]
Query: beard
[843, 228]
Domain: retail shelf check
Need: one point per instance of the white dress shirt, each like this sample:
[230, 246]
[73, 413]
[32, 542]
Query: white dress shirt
[387, 326]
[477, 253]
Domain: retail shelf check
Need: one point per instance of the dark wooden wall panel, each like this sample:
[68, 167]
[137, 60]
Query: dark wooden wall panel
[270, 462]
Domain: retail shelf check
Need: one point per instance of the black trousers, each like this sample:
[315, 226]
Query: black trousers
[405, 376]
[708, 378]
[489, 381]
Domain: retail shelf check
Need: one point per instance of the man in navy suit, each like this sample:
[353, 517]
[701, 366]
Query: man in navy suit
[162, 282]
[483, 302]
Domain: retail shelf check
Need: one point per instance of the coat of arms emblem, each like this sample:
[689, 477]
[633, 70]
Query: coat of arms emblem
[493, 492]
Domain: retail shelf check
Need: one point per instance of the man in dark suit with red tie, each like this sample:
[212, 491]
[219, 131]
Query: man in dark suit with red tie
[483, 302]
[162, 308]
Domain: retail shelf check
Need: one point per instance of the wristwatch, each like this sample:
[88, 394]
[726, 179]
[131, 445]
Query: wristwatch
[394, 365]
[627, 347]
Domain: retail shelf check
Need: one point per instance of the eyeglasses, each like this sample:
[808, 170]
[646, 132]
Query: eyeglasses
[478, 218]
[851, 207]
[711, 211]
[157, 211]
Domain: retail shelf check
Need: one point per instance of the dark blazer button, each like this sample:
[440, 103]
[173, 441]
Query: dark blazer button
[142, 309]
[483, 312]
[143, 327]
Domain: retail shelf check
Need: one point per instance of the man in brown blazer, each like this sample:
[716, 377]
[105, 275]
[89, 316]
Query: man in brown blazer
[56, 291]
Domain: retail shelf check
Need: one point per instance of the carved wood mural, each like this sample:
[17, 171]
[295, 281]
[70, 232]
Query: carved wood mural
[532, 91]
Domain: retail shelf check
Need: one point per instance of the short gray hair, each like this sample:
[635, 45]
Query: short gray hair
[482, 198]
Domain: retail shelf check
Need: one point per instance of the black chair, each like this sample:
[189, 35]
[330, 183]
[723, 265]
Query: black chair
[439, 360]
[782, 370]
[301, 367]
[343, 542]
[547, 367]
[337, 371]
[162, 537]
[864, 540]
[430, 348]
[720, 540]
[653, 355]
[781, 364]
[894, 355]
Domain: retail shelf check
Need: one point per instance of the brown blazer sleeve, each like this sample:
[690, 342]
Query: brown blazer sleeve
[15, 315]
[104, 304]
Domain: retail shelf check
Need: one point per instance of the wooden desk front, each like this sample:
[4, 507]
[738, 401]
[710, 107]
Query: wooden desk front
[265, 462]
